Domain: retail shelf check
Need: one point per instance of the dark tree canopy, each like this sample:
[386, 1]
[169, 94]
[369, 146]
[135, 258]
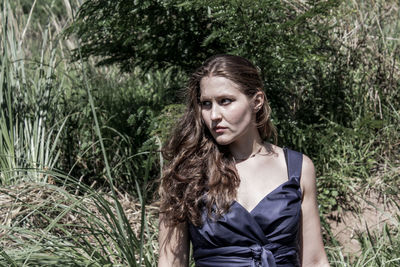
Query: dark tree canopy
[155, 34]
[289, 40]
[152, 34]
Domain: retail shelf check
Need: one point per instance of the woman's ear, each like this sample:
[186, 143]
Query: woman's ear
[258, 101]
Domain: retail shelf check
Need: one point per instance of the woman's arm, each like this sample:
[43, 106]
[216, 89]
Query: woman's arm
[312, 246]
[174, 244]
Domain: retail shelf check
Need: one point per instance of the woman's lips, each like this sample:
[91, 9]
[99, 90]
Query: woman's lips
[219, 129]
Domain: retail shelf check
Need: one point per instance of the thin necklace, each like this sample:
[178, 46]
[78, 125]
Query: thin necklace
[251, 156]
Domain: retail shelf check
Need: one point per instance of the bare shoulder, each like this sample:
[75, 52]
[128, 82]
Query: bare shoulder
[308, 166]
[307, 175]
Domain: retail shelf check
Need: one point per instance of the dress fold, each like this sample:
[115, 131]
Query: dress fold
[267, 236]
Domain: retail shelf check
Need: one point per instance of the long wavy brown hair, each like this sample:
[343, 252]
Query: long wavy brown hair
[200, 173]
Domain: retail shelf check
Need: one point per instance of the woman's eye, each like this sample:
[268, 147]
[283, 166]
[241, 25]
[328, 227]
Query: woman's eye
[205, 103]
[226, 101]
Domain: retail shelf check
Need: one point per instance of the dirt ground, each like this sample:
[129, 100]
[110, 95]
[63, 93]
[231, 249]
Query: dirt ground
[372, 211]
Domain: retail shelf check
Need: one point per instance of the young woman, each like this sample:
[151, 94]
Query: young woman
[240, 200]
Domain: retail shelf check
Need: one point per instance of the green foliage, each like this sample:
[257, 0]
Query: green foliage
[127, 106]
[305, 72]
[41, 9]
[289, 43]
[163, 123]
[29, 133]
[151, 34]
[315, 93]
[87, 228]
[348, 153]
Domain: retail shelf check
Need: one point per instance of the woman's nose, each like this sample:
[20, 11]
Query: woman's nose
[215, 113]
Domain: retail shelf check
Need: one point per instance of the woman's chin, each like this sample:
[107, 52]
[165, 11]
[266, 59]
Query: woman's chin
[223, 141]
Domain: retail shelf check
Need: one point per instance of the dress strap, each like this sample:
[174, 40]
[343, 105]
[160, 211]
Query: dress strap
[294, 162]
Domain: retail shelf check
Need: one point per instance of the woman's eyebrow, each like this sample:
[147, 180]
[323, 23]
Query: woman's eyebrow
[225, 95]
[217, 96]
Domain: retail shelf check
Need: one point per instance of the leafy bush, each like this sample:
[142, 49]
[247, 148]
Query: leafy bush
[151, 34]
[291, 44]
[329, 86]
[127, 106]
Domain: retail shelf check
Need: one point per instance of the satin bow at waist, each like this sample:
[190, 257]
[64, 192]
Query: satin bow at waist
[257, 255]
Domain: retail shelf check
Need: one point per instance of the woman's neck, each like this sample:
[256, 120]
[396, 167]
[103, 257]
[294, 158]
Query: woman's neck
[247, 147]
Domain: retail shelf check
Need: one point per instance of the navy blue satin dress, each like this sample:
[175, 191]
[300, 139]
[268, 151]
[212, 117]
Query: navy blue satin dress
[266, 236]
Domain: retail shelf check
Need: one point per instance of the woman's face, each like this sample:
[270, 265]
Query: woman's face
[226, 111]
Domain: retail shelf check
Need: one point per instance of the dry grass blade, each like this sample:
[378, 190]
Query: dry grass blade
[44, 213]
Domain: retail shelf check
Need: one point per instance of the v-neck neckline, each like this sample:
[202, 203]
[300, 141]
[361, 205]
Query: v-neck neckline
[262, 199]
[285, 153]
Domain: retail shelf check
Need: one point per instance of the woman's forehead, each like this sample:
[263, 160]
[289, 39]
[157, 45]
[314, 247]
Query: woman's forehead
[216, 85]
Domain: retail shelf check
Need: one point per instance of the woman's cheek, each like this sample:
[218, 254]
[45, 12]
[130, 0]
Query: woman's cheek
[206, 121]
[236, 115]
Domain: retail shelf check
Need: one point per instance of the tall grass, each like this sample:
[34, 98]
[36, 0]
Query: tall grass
[43, 235]
[52, 226]
[27, 92]
[370, 35]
